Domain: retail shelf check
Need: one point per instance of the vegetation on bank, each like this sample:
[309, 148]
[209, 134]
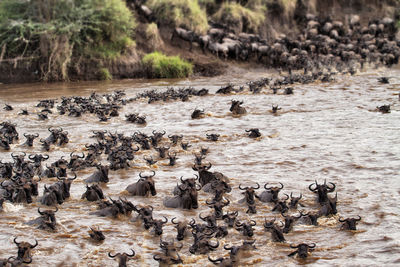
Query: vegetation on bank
[180, 13]
[52, 32]
[158, 65]
[243, 19]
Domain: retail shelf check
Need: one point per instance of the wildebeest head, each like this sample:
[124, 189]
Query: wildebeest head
[24, 249]
[197, 113]
[294, 201]
[158, 224]
[289, 221]
[172, 159]
[253, 133]
[275, 109]
[303, 250]
[162, 151]
[230, 218]
[66, 185]
[180, 228]
[276, 231]
[322, 190]
[217, 206]
[236, 107]
[122, 258]
[211, 220]
[204, 175]
[274, 191]
[48, 219]
[281, 205]
[350, 223]
[96, 235]
[246, 228]
[30, 138]
[175, 138]
[213, 137]
[250, 193]
[150, 185]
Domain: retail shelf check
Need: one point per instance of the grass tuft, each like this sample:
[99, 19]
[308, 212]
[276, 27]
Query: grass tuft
[159, 65]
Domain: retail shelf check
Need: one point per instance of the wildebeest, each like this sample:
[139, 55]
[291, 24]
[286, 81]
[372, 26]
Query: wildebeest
[246, 228]
[29, 139]
[289, 221]
[322, 190]
[205, 176]
[276, 232]
[144, 186]
[197, 114]
[185, 35]
[303, 250]
[270, 194]
[253, 133]
[384, 108]
[349, 223]
[122, 258]
[24, 249]
[93, 193]
[46, 221]
[100, 175]
[158, 225]
[230, 218]
[249, 193]
[213, 137]
[236, 107]
[294, 201]
[181, 227]
[96, 235]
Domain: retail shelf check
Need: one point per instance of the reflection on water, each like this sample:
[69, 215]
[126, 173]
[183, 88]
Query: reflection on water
[323, 131]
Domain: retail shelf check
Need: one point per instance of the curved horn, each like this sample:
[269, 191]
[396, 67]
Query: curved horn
[133, 253]
[359, 218]
[166, 220]
[44, 156]
[266, 188]
[172, 220]
[182, 180]
[210, 203]
[253, 223]
[241, 187]
[36, 243]
[292, 246]
[31, 157]
[312, 245]
[281, 185]
[310, 186]
[287, 196]
[40, 212]
[203, 218]
[258, 186]
[342, 220]
[332, 188]
[111, 256]
[197, 177]
[227, 248]
[71, 179]
[213, 246]
[15, 241]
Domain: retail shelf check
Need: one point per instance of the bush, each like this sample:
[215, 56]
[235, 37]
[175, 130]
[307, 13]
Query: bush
[54, 31]
[159, 65]
[242, 19]
[104, 75]
[180, 13]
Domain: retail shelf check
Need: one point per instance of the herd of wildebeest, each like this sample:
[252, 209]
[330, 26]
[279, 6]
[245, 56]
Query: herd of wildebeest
[325, 42]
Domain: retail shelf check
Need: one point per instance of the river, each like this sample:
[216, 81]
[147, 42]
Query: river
[323, 131]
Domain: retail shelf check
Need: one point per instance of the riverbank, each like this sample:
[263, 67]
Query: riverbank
[54, 59]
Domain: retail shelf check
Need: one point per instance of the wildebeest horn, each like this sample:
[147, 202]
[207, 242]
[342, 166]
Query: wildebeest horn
[15, 241]
[157, 257]
[133, 253]
[209, 166]
[72, 178]
[44, 156]
[281, 185]
[210, 203]
[151, 207]
[182, 180]
[166, 220]
[312, 245]
[266, 188]
[240, 187]
[31, 156]
[287, 196]
[253, 223]
[40, 212]
[359, 218]
[332, 188]
[197, 177]
[213, 246]
[227, 248]
[310, 186]
[203, 218]
[111, 256]
[292, 246]
[36, 243]
[25, 135]
[172, 220]
[258, 186]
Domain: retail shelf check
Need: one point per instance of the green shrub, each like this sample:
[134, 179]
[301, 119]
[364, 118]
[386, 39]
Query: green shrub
[159, 65]
[180, 13]
[104, 75]
[54, 31]
[240, 17]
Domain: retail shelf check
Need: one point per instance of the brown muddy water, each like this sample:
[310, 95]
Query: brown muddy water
[323, 131]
